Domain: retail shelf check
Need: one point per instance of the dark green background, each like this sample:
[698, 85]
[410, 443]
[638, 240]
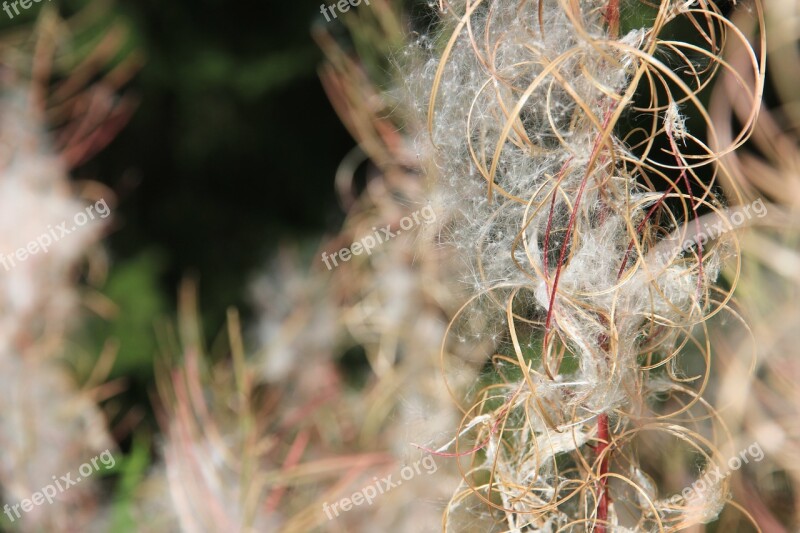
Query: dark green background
[234, 145]
[231, 153]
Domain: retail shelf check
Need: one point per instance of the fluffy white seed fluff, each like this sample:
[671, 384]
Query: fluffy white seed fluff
[518, 104]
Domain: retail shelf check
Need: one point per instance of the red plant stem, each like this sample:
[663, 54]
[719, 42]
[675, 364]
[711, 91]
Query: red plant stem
[603, 430]
[603, 435]
[602, 421]
[552, 212]
[612, 18]
[639, 230]
[570, 227]
[684, 176]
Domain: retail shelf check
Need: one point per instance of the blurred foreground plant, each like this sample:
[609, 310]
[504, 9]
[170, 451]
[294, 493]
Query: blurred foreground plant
[51, 119]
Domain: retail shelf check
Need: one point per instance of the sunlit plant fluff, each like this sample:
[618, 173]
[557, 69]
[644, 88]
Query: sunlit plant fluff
[568, 225]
